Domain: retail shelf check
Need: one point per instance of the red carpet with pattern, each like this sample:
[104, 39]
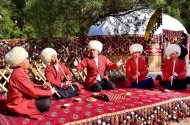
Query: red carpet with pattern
[91, 112]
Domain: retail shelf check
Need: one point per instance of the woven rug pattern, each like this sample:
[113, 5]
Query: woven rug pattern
[139, 104]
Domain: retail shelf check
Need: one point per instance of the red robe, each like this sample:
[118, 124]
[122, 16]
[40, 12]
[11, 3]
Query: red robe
[22, 93]
[180, 69]
[57, 77]
[92, 70]
[131, 69]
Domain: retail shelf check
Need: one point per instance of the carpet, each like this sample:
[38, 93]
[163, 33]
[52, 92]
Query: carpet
[149, 106]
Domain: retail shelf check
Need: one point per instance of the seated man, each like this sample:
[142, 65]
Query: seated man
[59, 75]
[96, 65]
[24, 97]
[136, 69]
[174, 71]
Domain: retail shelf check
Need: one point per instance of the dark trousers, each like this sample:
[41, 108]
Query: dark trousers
[103, 84]
[43, 104]
[65, 93]
[148, 83]
[177, 84]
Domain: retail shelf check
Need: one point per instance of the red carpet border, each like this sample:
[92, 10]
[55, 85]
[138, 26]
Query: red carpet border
[150, 107]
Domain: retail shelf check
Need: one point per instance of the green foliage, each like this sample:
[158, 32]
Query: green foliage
[66, 18]
[7, 28]
[8, 25]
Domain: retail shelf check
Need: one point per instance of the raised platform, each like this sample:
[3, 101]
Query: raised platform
[142, 106]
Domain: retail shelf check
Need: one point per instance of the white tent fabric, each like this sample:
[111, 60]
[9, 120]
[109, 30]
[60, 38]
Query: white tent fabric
[133, 23]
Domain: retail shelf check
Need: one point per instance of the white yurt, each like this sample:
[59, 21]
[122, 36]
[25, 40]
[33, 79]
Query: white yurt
[134, 22]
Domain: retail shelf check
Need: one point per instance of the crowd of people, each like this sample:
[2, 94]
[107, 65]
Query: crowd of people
[27, 98]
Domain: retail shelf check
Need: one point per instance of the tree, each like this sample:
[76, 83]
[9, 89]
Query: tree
[67, 18]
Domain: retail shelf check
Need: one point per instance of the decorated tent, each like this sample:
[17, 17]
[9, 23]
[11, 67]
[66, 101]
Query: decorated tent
[137, 22]
[134, 22]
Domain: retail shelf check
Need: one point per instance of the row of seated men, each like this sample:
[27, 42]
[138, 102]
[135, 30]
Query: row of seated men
[26, 98]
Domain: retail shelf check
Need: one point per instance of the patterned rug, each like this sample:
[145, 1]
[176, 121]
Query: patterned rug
[147, 106]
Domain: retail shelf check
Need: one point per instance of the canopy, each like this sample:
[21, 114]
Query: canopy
[134, 22]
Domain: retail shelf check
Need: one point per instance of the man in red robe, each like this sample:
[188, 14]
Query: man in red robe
[59, 75]
[136, 69]
[174, 71]
[24, 97]
[96, 64]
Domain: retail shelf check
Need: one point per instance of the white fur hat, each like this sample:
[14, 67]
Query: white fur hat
[136, 48]
[47, 54]
[95, 44]
[16, 56]
[172, 48]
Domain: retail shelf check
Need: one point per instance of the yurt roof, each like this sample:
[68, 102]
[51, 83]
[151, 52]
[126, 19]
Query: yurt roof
[134, 22]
